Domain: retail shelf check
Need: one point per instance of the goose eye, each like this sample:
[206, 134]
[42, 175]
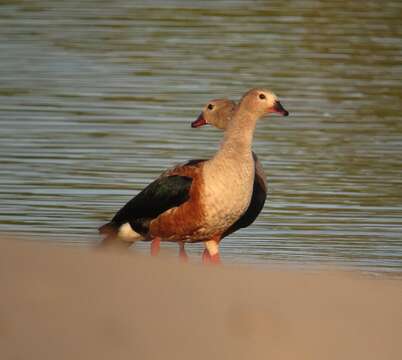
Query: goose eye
[262, 96]
[210, 106]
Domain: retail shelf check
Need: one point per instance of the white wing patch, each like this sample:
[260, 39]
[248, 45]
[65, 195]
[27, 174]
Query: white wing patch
[126, 233]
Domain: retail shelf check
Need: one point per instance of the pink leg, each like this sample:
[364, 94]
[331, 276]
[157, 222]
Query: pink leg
[215, 259]
[155, 246]
[206, 258]
[182, 253]
[211, 252]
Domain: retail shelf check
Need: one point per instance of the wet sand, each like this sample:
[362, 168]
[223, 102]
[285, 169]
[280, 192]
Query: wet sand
[75, 303]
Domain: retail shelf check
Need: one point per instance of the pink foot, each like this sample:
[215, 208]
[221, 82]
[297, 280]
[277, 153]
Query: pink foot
[182, 253]
[183, 256]
[211, 252]
[155, 246]
[206, 258]
[215, 259]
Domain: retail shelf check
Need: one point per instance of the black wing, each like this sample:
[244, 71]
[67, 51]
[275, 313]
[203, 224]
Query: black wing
[162, 194]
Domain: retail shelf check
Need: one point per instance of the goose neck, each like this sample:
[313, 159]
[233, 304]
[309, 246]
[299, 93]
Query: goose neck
[238, 136]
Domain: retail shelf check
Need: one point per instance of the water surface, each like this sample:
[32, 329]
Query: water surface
[96, 98]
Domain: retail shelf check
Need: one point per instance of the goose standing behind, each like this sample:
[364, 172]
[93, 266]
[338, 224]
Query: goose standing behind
[199, 202]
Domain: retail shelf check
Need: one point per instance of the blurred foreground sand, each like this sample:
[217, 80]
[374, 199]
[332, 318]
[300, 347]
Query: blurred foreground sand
[75, 303]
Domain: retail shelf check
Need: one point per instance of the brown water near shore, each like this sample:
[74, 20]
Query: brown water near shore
[75, 303]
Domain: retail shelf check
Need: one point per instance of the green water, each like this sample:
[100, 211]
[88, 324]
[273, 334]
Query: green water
[96, 98]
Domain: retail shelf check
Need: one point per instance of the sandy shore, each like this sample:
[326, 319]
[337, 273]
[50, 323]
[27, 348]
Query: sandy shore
[74, 303]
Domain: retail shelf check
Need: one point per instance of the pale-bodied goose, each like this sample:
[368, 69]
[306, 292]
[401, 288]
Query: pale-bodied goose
[200, 201]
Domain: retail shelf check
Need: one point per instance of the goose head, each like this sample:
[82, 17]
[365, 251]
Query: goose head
[216, 113]
[261, 102]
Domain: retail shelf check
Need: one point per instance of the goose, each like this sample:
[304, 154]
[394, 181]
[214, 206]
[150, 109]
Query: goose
[200, 200]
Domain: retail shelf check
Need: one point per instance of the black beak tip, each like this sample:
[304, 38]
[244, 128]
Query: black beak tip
[280, 109]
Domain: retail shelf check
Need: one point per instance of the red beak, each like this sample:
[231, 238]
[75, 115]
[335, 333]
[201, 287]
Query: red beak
[280, 109]
[199, 122]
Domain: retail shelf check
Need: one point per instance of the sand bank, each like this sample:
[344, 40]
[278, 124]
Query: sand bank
[75, 303]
